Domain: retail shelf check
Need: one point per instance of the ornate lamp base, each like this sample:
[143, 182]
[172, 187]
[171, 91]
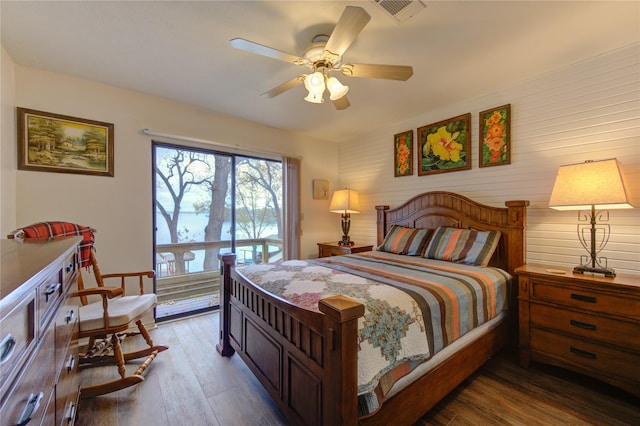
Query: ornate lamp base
[346, 224]
[607, 272]
[345, 241]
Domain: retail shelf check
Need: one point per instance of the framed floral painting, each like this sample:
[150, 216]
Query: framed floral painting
[444, 146]
[403, 154]
[495, 134]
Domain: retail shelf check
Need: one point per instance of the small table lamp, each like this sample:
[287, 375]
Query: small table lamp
[586, 186]
[345, 202]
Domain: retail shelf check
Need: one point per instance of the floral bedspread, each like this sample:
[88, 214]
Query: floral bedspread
[414, 307]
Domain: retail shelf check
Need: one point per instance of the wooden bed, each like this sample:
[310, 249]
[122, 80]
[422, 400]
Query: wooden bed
[307, 361]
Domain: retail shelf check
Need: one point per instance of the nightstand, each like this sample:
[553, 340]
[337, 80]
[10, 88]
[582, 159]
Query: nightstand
[585, 323]
[335, 249]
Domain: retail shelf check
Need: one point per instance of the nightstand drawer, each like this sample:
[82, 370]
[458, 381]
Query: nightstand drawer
[335, 249]
[597, 359]
[621, 333]
[584, 298]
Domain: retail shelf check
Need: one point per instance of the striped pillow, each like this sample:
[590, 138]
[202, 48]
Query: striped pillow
[403, 240]
[463, 245]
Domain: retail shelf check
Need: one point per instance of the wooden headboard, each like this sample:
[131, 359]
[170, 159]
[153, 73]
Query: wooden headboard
[439, 208]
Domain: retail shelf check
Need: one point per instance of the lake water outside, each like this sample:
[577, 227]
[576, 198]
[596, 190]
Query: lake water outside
[191, 227]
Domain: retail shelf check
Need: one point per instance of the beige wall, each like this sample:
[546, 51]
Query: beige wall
[588, 111]
[120, 208]
[8, 146]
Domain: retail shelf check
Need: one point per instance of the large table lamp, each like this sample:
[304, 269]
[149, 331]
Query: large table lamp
[345, 202]
[593, 188]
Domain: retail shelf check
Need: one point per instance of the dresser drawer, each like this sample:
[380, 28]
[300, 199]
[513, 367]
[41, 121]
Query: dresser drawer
[69, 269]
[66, 324]
[17, 339]
[621, 333]
[32, 395]
[585, 298]
[49, 294]
[67, 388]
[585, 356]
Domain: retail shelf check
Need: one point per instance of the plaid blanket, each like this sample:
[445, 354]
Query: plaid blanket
[61, 229]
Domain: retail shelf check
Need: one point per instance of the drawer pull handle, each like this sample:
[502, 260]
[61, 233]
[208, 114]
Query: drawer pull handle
[50, 290]
[71, 413]
[32, 406]
[584, 325]
[583, 298]
[71, 363]
[7, 347]
[70, 316]
[70, 267]
[582, 353]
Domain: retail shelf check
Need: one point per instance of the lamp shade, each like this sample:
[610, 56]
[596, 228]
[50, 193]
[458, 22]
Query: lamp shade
[336, 89]
[314, 98]
[593, 183]
[345, 201]
[314, 82]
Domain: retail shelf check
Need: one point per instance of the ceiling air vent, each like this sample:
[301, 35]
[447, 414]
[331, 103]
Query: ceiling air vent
[400, 10]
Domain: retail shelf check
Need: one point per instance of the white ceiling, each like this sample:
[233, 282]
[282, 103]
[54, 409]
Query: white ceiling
[180, 50]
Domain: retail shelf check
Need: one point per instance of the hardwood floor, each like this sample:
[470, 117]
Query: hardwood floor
[190, 384]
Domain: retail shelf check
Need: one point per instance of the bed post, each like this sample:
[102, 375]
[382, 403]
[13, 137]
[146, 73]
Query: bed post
[517, 219]
[340, 391]
[381, 223]
[224, 347]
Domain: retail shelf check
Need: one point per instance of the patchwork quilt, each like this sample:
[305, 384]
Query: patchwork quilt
[414, 307]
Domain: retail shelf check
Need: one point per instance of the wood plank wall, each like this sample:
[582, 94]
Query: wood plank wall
[588, 111]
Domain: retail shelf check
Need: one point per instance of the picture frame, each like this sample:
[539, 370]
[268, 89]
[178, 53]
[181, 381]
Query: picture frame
[49, 142]
[320, 189]
[495, 136]
[403, 154]
[444, 146]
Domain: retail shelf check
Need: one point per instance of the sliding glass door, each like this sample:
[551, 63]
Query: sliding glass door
[208, 203]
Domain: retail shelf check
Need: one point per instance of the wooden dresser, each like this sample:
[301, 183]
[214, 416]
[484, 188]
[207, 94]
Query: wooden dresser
[39, 383]
[585, 323]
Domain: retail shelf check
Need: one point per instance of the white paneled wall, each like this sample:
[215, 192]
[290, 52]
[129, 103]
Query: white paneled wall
[590, 110]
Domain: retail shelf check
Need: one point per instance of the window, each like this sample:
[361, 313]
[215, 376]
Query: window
[208, 203]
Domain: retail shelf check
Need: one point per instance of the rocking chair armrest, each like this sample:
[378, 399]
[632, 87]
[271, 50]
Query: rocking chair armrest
[109, 292]
[148, 274]
[124, 275]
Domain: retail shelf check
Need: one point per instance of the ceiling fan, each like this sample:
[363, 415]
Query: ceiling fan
[323, 57]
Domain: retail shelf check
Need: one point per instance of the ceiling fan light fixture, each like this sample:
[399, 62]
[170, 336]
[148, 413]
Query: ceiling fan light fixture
[314, 83]
[336, 89]
[314, 98]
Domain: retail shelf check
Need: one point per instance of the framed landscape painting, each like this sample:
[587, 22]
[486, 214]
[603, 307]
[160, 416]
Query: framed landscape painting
[50, 142]
[444, 146]
[403, 154]
[495, 135]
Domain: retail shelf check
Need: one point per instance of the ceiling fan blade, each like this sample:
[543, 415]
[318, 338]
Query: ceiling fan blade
[250, 46]
[349, 25]
[389, 72]
[342, 103]
[295, 81]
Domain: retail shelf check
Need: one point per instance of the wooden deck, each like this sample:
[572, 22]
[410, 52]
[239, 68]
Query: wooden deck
[182, 306]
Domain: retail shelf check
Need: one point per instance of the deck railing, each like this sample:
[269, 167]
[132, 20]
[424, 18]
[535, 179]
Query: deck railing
[177, 278]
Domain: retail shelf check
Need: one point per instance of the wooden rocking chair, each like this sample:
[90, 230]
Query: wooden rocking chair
[106, 321]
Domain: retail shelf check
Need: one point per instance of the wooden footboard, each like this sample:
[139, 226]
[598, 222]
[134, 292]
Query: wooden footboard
[307, 361]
